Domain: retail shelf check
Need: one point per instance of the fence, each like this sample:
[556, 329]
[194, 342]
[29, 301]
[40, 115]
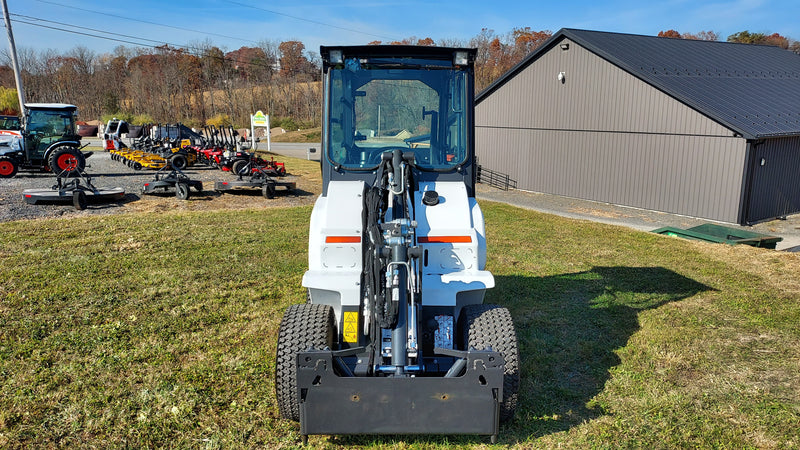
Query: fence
[495, 179]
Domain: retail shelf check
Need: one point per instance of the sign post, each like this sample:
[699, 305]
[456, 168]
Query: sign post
[259, 119]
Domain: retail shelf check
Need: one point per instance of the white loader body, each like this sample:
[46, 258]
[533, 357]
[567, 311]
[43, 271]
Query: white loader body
[452, 235]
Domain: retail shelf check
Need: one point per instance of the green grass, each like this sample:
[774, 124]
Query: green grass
[158, 330]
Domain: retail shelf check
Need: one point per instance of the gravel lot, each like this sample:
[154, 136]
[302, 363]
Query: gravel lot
[106, 173]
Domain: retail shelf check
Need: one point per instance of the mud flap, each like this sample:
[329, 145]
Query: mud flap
[468, 404]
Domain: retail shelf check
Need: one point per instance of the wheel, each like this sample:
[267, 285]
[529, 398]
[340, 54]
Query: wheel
[182, 191]
[137, 166]
[490, 326]
[239, 167]
[303, 326]
[67, 160]
[79, 200]
[268, 190]
[8, 168]
[178, 162]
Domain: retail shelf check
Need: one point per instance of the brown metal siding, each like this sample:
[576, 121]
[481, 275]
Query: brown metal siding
[605, 135]
[775, 187]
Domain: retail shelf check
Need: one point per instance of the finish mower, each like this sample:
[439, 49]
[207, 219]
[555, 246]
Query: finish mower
[394, 337]
[174, 179]
[255, 175]
[73, 186]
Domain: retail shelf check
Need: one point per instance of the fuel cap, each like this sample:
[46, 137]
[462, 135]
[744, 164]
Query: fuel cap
[430, 198]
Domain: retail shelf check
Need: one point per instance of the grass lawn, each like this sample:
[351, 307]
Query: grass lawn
[158, 330]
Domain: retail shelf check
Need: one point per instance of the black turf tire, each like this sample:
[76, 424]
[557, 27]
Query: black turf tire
[61, 155]
[303, 326]
[238, 167]
[179, 162]
[182, 191]
[79, 200]
[490, 326]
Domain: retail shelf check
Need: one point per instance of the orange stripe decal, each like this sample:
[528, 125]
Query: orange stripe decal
[444, 239]
[343, 239]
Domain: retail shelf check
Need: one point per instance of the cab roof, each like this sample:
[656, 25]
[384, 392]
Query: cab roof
[64, 106]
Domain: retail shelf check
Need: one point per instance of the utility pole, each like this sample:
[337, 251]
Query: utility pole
[15, 63]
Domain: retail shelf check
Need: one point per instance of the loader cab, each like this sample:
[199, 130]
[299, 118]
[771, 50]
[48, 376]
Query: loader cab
[46, 124]
[380, 98]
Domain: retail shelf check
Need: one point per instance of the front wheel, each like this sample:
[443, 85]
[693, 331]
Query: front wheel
[8, 168]
[79, 200]
[182, 191]
[490, 326]
[303, 326]
[268, 190]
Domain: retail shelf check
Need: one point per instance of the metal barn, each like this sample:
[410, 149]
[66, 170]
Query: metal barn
[697, 128]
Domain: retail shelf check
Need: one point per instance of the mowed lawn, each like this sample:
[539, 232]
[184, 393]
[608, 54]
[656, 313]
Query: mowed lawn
[159, 330]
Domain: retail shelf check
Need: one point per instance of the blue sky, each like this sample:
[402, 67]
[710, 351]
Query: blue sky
[231, 24]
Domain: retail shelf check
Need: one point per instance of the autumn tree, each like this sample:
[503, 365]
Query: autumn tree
[292, 59]
[669, 34]
[700, 36]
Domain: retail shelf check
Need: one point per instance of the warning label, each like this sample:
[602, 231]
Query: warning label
[350, 326]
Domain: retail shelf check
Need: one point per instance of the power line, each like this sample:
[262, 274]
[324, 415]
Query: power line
[146, 21]
[89, 29]
[82, 33]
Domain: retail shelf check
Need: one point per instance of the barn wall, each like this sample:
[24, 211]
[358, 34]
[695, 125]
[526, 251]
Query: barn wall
[605, 135]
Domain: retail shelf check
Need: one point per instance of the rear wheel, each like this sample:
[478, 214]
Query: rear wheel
[179, 162]
[67, 160]
[7, 167]
[303, 326]
[490, 326]
[239, 167]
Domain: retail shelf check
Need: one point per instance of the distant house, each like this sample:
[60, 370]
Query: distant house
[698, 128]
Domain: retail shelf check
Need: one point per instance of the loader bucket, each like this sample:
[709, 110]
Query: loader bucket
[333, 404]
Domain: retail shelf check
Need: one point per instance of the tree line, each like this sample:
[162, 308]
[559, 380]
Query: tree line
[202, 84]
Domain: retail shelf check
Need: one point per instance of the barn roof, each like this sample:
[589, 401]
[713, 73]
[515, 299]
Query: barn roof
[752, 89]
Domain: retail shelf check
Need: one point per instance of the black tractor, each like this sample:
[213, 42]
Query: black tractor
[49, 142]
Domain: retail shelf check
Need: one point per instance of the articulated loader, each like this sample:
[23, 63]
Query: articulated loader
[394, 337]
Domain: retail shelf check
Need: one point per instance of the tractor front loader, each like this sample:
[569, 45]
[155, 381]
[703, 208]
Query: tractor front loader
[394, 337]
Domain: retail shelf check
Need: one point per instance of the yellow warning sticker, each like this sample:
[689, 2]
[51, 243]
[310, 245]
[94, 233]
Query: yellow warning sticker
[350, 330]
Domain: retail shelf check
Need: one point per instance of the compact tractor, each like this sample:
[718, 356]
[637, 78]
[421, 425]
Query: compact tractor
[48, 142]
[394, 337]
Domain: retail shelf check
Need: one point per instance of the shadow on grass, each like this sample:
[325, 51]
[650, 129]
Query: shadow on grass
[568, 328]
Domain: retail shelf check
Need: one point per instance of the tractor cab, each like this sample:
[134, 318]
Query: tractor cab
[45, 125]
[410, 98]
[10, 126]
